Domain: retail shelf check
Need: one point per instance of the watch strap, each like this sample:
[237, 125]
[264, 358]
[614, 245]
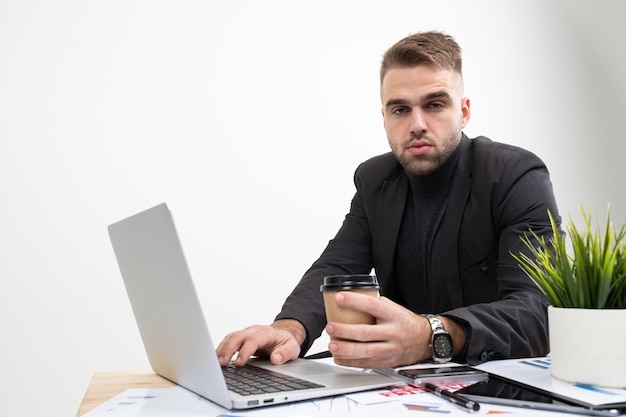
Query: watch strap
[435, 323]
[438, 331]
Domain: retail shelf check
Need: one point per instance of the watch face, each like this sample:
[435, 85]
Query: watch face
[442, 345]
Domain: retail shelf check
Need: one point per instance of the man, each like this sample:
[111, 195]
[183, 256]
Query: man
[437, 218]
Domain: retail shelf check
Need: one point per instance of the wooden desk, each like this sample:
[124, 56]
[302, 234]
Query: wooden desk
[106, 385]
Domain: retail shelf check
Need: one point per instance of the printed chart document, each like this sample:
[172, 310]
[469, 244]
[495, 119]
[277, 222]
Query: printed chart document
[535, 372]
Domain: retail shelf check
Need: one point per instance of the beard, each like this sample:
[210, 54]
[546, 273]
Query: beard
[431, 162]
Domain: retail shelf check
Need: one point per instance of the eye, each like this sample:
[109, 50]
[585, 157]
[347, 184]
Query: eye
[435, 105]
[400, 110]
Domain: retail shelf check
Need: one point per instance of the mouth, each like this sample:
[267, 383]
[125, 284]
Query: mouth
[419, 147]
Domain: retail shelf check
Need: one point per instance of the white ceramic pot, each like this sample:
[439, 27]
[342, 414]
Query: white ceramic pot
[588, 345]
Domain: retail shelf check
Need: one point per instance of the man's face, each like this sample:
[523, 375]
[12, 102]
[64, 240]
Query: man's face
[423, 112]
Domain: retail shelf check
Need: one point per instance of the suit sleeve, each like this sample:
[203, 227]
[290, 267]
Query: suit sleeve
[349, 252]
[515, 324]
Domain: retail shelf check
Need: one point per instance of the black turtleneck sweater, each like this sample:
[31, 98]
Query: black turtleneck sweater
[419, 285]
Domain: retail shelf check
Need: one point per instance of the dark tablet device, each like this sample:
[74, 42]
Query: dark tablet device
[500, 392]
[435, 372]
[456, 374]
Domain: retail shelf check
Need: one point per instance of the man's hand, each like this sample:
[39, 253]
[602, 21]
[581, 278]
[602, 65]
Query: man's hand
[280, 342]
[399, 337]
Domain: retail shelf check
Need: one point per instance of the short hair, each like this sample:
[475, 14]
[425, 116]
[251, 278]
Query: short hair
[424, 48]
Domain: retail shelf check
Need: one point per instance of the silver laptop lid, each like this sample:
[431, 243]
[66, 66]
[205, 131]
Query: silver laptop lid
[163, 297]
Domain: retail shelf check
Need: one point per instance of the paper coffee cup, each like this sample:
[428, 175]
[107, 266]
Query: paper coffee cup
[364, 284]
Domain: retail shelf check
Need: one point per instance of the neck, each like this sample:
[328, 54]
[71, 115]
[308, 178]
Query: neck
[439, 180]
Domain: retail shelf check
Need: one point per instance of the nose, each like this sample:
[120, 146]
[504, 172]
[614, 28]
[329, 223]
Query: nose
[418, 124]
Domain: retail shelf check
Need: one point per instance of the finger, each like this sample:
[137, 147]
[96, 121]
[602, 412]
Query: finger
[257, 341]
[376, 306]
[227, 347]
[284, 353]
[358, 354]
[356, 332]
[279, 345]
[243, 342]
[245, 353]
[364, 363]
[341, 346]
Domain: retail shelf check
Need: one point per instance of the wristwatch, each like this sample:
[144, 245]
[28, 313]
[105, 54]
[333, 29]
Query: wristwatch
[441, 342]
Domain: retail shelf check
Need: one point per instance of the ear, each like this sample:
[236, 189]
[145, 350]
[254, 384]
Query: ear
[465, 111]
[382, 112]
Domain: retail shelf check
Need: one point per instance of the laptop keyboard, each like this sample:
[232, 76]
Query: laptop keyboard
[251, 380]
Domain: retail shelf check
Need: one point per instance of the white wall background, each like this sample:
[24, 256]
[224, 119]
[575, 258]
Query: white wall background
[248, 118]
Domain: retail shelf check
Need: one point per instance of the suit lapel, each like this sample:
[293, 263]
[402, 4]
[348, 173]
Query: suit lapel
[450, 228]
[387, 226]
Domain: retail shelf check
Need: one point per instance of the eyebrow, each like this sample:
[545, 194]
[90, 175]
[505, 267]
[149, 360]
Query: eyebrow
[396, 101]
[428, 97]
[437, 95]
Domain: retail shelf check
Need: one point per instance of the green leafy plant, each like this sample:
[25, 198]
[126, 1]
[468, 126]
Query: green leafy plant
[591, 275]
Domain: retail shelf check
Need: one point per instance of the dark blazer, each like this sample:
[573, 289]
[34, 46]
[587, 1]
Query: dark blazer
[498, 193]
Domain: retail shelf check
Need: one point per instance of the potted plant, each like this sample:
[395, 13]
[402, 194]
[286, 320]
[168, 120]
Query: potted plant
[583, 275]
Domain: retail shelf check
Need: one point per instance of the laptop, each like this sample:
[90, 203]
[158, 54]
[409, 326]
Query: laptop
[176, 337]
